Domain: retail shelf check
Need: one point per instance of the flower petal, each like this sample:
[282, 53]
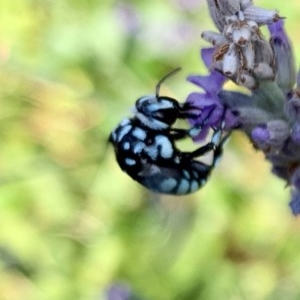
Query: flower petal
[206, 55]
[212, 83]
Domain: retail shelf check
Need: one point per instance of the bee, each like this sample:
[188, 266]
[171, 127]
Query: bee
[145, 145]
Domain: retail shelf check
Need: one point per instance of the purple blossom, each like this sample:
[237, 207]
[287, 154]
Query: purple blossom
[270, 114]
[278, 33]
[260, 134]
[212, 110]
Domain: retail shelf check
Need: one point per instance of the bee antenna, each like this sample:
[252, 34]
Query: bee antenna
[163, 79]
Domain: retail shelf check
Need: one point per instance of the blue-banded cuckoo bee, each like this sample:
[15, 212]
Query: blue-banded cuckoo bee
[145, 145]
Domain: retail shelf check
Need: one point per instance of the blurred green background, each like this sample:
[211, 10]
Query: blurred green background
[71, 223]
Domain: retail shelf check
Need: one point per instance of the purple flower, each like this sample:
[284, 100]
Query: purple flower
[272, 134]
[212, 110]
[261, 134]
[270, 114]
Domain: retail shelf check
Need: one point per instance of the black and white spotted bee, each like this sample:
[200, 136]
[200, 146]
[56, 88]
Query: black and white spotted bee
[145, 145]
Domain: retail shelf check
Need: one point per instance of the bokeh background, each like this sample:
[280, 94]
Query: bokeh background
[72, 225]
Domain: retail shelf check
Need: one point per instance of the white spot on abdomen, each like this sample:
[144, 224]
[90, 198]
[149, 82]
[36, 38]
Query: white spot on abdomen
[151, 151]
[166, 146]
[138, 147]
[139, 133]
[124, 122]
[194, 186]
[126, 146]
[130, 162]
[123, 132]
[183, 187]
[186, 174]
[203, 182]
[195, 174]
[168, 185]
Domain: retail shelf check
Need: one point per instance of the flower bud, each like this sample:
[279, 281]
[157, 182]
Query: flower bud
[284, 58]
[250, 116]
[264, 71]
[213, 37]
[241, 35]
[219, 9]
[231, 19]
[230, 61]
[247, 80]
[295, 202]
[249, 55]
[261, 134]
[279, 132]
[245, 3]
[274, 133]
[292, 107]
[295, 134]
[260, 15]
[264, 59]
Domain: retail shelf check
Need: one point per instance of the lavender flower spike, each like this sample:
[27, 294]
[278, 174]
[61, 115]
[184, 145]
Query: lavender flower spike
[270, 115]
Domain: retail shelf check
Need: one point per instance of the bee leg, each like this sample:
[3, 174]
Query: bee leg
[202, 150]
[196, 129]
[189, 111]
[178, 133]
[215, 145]
[218, 151]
